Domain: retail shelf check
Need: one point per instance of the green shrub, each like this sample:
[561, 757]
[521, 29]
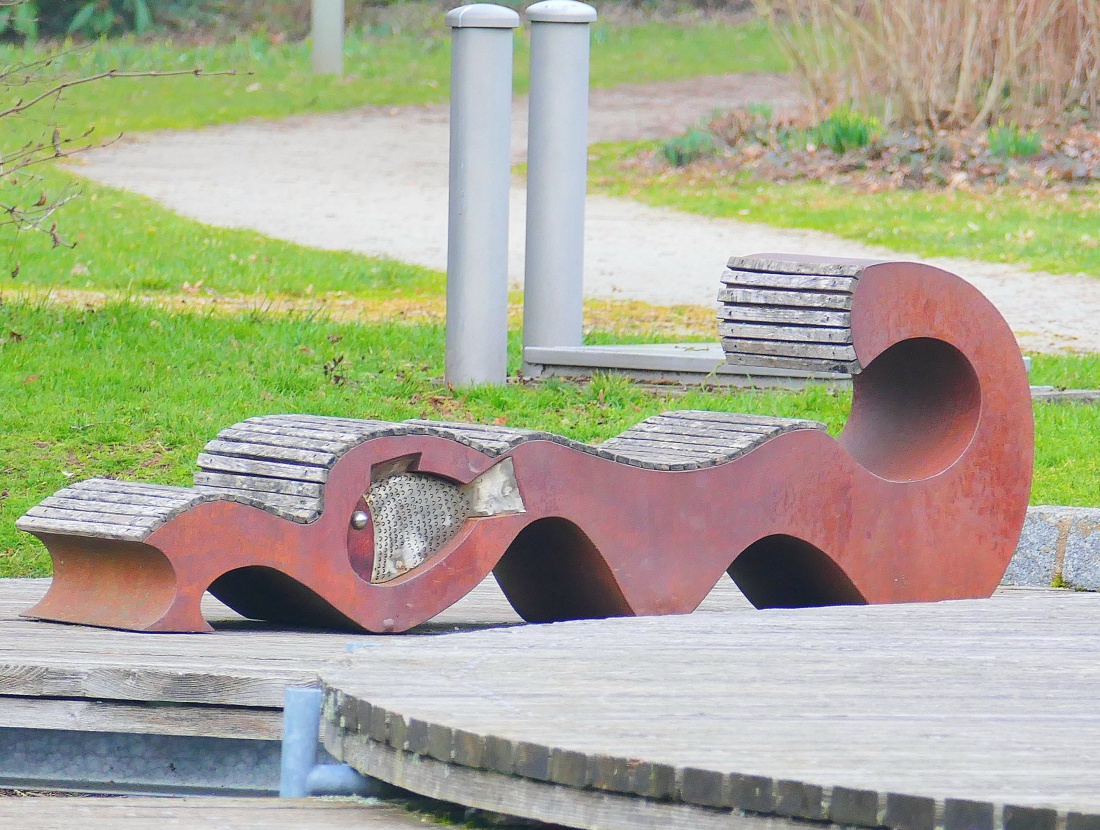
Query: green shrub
[693, 145]
[1009, 142]
[845, 129]
[92, 18]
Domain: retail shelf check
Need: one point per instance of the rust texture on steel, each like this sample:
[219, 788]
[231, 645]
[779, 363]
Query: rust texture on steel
[921, 497]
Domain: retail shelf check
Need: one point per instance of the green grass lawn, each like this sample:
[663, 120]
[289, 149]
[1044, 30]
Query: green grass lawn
[1054, 232]
[135, 391]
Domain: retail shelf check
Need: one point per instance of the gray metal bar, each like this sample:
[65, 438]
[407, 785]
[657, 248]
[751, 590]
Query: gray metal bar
[480, 174]
[300, 775]
[557, 170]
[138, 763]
[327, 28]
[301, 726]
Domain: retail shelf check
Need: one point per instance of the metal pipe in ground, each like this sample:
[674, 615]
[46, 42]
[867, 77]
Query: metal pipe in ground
[480, 176]
[327, 32]
[557, 171]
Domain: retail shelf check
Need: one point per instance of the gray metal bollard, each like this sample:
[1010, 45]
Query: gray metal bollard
[480, 175]
[557, 171]
[327, 31]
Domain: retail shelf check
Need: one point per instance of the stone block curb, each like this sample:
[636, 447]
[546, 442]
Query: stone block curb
[1059, 546]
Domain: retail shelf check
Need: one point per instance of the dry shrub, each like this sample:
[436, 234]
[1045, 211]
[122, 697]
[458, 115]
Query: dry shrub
[946, 63]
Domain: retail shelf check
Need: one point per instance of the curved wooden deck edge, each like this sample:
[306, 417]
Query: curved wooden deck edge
[758, 803]
[532, 799]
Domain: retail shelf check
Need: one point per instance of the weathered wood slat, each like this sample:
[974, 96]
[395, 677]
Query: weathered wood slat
[660, 432]
[740, 419]
[123, 532]
[138, 718]
[86, 506]
[274, 425]
[268, 452]
[273, 437]
[258, 484]
[680, 450]
[295, 508]
[793, 334]
[787, 299]
[704, 429]
[803, 363]
[824, 351]
[46, 511]
[784, 316]
[824, 267]
[78, 493]
[140, 488]
[268, 469]
[795, 282]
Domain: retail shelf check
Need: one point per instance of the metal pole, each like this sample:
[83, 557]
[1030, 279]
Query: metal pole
[557, 170]
[327, 19]
[301, 725]
[477, 221]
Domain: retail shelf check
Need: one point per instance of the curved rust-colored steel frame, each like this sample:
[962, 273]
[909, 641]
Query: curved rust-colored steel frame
[922, 497]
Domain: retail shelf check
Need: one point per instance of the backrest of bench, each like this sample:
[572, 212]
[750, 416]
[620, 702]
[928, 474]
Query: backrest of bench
[788, 314]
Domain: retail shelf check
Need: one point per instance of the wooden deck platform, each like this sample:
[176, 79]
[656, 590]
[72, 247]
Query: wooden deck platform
[913, 717]
[971, 715]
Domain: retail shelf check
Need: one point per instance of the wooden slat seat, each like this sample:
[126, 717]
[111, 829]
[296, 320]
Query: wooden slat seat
[107, 509]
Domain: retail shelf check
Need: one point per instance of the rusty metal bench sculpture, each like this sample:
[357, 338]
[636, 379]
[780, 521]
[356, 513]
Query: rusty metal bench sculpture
[379, 526]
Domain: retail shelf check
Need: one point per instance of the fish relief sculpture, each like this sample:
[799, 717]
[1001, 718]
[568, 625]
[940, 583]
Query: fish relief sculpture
[416, 514]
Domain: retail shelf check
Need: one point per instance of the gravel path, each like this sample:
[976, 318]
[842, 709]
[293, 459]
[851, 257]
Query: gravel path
[375, 181]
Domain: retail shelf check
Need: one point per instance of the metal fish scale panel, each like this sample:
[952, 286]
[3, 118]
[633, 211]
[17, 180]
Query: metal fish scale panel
[414, 517]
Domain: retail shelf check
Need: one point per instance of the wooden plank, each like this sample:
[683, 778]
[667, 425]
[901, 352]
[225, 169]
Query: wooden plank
[267, 469]
[729, 440]
[785, 299]
[87, 507]
[738, 419]
[274, 437]
[50, 813]
[832, 267]
[140, 488]
[685, 452]
[804, 363]
[296, 508]
[75, 494]
[797, 334]
[144, 719]
[273, 425]
[785, 316]
[123, 532]
[268, 452]
[791, 282]
[824, 351]
[286, 487]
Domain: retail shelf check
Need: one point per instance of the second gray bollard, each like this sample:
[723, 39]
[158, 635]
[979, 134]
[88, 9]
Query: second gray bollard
[557, 172]
[480, 178]
[327, 31]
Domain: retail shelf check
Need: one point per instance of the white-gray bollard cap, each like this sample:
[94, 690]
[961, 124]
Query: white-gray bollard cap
[483, 16]
[560, 11]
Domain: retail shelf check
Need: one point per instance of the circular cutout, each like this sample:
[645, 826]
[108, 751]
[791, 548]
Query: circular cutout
[915, 409]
